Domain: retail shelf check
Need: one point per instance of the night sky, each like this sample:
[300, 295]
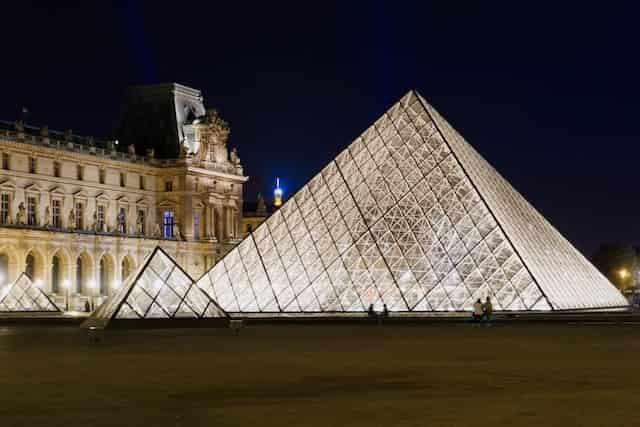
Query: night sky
[547, 95]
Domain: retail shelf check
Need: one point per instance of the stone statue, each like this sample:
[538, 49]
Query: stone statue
[21, 216]
[122, 225]
[210, 143]
[19, 125]
[94, 225]
[156, 230]
[140, 224]
[235, 159]
[72, 220]
[261, 209]
[47, 217]
[176, 231]
[131, 149]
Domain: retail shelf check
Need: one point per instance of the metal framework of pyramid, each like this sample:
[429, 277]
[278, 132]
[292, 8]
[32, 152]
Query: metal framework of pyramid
[159, 289]
[409, 216]
[24, 296]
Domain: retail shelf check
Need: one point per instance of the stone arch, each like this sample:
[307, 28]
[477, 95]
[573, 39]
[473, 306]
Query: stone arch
[34, 264]
[127, 267]
[106, 274]
[59, 265]
[84, 274]
[8, 264]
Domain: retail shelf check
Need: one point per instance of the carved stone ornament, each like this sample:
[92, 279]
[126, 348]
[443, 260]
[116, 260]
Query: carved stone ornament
[47, 217]
[212, 130]
[21, 216]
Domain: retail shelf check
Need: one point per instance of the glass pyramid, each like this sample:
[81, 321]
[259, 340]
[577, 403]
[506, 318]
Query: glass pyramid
[159, 289]
[409, 216]
[23, 295]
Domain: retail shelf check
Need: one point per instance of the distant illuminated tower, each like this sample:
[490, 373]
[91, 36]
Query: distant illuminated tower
[277, 194]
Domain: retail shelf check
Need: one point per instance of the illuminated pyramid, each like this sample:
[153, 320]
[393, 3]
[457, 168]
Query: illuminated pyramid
[409, 216]
[159, 289]
[23, 295]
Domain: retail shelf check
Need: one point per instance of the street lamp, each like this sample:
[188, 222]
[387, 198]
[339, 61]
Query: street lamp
[65, 286]
[623, 273]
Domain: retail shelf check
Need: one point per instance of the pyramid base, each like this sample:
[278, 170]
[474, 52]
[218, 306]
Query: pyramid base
[159, 323]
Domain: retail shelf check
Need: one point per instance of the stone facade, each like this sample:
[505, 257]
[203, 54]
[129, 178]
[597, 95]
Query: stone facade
[80, 215]
[253, 215]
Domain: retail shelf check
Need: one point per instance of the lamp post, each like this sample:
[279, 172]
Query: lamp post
[623, 273]
[65, 286]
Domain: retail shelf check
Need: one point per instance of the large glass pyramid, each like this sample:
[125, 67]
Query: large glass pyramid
[159, 289]
[23, 295]
[409, 216]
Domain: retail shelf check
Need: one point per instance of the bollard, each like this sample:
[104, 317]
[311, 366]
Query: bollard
[236, 325]
[95, 334]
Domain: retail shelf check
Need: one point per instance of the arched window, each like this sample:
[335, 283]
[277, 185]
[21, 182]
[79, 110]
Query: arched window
[30, 266]
[126, 269]
[4, 268]
[103, 277]
[55, 274]
[79, 275]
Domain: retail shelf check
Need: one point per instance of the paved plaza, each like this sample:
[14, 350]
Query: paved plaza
[322, 375]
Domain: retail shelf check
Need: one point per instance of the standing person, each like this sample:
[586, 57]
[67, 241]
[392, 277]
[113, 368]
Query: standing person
[370, 311]
[477, 310]
[487, 309]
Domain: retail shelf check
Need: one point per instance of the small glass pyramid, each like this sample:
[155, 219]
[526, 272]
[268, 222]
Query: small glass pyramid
[159, 289]
[23, 296]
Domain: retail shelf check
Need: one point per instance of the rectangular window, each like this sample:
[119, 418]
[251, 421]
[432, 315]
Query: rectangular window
[141, 181]
[167, 224]
[56, 169]
[5, 161]
[168, 186]
[79, 216]
[32, 165]
[122, 179]
[140, 221]
[196, 225]
[102, 174]
[100, 218]
[55, 213]
[80, 172]
[4, 208]
[122, 220]
[31, 210]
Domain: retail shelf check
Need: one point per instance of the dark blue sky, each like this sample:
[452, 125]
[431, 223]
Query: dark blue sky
[546, 93]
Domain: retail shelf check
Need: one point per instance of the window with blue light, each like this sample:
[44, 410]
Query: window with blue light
[167, 224]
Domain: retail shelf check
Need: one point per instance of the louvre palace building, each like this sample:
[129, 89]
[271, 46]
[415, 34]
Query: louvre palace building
[79, 215]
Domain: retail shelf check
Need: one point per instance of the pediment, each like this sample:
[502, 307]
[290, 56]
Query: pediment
[8, 184]
[56, 190]
[122, 199]
[167, 203]
[102, 197]
[33, 188]
[80, 194]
